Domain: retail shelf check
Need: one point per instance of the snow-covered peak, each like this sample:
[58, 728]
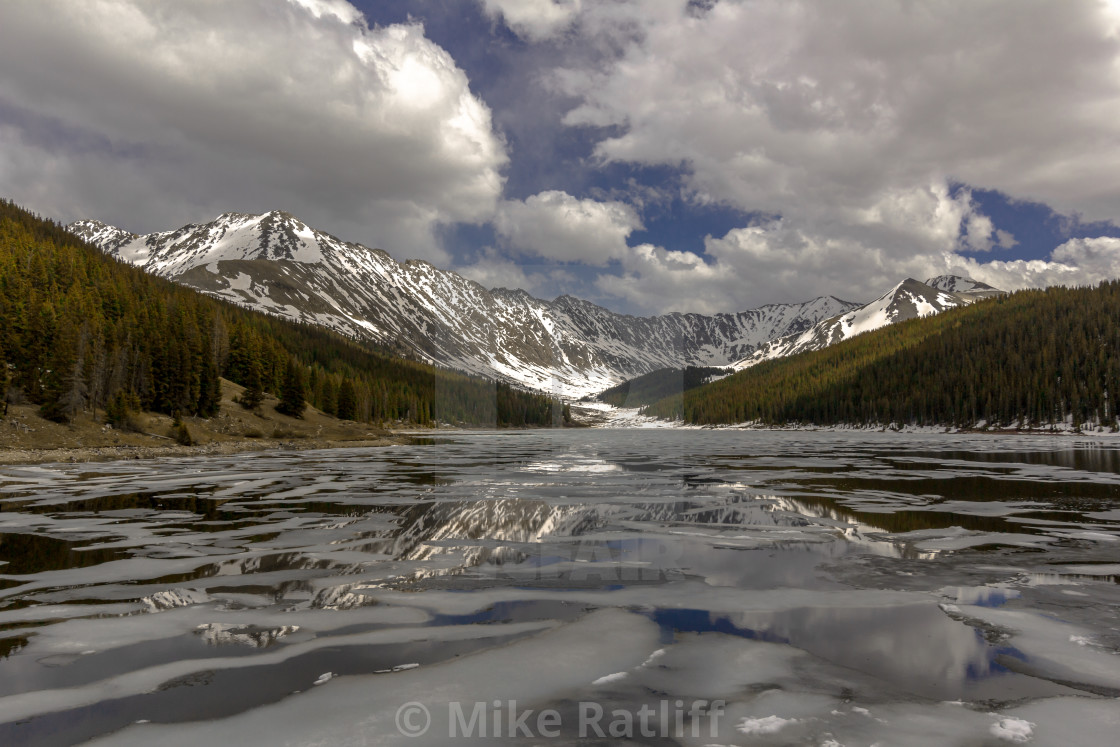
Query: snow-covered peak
[230, 236]
[907, 300]
[958, 284]
[102, 235]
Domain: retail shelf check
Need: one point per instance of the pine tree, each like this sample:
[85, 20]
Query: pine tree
[347, 401]
[253, 395]
[328, 397]
[292, 401]
[210, 389]
[76, 397]
[119, 409]
[5, 382]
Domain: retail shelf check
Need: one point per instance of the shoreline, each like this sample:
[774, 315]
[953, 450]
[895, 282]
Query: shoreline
[27, 438]
[598, 415]
[128, 452]
[17, 454]
[16, 457]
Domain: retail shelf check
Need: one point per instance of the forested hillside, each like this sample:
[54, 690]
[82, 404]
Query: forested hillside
[79, 331]
[656, 385]
[1032, 358]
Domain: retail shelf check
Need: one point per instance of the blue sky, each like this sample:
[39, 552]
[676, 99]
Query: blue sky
[650, 156]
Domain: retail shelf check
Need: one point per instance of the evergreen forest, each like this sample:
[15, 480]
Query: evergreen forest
[655, 385]
[1031, 359]
[81, 331]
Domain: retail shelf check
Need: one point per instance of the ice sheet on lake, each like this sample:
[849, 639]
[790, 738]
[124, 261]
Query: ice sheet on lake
[832, 588]
[532, 671]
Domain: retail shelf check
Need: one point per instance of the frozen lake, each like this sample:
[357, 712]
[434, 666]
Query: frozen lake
[707, 587]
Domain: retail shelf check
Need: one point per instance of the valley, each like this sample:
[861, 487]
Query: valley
[566, 347]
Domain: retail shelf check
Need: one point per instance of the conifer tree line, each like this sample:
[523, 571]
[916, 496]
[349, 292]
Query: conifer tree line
[656, 385]
[81, 331]
[1030, 359]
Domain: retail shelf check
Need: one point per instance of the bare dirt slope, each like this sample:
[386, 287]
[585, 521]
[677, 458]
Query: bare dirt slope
[27, 438]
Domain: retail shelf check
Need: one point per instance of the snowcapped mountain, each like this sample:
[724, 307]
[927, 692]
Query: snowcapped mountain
[907, 300]
[956, 284]
[276, 263]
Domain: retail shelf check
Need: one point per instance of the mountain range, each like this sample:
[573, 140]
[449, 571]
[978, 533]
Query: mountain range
[909, 299]
[275, 263]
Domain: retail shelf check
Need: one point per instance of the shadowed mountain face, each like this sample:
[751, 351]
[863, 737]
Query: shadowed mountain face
[909, 299]
[277, 264]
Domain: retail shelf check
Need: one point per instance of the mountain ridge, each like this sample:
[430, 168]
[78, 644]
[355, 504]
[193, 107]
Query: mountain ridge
[572, 347]
[84, 334]
[909, 299]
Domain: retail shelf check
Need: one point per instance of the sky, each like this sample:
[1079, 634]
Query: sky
[648, 155]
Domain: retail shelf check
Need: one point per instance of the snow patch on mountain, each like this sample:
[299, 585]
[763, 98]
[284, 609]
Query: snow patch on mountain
[958, 284]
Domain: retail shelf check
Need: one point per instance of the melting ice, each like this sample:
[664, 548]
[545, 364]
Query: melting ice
[828, 589]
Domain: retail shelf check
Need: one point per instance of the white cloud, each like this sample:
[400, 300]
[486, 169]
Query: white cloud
[656, 280]
[850, 121]
[179, 111]
[534, 19]
[788, 104]
[340, 9]
[1100, 255]
[776, 263]
[492, 270]
[979, 232]
[558, 226]
[1076, 262]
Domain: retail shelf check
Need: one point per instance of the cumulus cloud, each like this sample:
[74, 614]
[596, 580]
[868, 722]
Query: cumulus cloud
[777, 263]
[151, 114]
[340, 9]
[860, 126]
[492, 270]
[1076, 262]
[981, 235]
[850, 121]
[558, 226]
[656, 280]
[785, 103]
[534, 19]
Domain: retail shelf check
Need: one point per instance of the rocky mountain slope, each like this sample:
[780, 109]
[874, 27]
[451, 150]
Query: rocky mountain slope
[278, 264]
[909, 299]
[966, 286]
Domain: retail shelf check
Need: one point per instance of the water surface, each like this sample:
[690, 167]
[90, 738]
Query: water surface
[830, 588]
